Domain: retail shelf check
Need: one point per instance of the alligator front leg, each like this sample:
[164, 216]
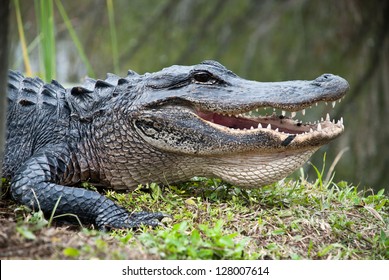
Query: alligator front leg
[37, 185]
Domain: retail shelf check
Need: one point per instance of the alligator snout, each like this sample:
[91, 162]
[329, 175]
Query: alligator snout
[326, 78]
[333, 82]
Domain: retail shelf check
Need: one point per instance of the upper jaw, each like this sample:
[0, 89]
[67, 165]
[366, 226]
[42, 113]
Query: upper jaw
[286, 130]
[243, 114]
[241, 96]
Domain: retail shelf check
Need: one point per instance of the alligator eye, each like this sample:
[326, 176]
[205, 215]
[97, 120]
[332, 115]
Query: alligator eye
[203, 77]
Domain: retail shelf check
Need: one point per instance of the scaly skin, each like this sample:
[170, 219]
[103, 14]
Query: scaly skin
[163, 127]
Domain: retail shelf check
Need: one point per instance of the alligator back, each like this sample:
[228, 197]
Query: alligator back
[41, 115]
[38, 116]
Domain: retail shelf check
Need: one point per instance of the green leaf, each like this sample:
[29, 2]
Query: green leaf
[195, 238]
[325, 250]
[380, 192]
[226, 241]
[71, 252]
[278, 231]
[26, 233]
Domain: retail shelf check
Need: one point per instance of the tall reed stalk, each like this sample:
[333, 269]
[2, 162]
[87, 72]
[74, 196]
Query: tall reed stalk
[112, 29]
[44, 14]
[75, 38]
[45, 19]
[22, 38]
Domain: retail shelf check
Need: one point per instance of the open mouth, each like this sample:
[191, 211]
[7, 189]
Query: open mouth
[278, 121]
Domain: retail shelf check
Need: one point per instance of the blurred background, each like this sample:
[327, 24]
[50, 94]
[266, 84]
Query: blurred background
[259, 40]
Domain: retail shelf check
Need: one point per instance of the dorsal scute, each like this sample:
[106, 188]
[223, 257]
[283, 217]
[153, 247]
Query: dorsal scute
[52, 93]
[112, 78]
[92, 95]
[83, 100]
[26, 91]
[26, 102]
[132, 74]
[14, 80]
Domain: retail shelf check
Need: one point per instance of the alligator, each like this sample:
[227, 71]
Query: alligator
[164, 127]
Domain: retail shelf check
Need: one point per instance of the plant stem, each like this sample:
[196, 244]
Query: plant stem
[22, 38]
[111, 17]
[74, 37]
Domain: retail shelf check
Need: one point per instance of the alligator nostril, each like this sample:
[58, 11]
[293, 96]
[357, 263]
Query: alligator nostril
[325, 78]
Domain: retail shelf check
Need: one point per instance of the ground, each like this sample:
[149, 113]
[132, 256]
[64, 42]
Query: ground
[291, 219]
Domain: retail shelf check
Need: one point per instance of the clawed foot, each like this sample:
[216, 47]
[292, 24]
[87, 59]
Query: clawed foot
[133, 220]
[146, 218]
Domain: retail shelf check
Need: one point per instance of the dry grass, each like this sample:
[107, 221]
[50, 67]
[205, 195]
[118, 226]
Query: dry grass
[288, 220]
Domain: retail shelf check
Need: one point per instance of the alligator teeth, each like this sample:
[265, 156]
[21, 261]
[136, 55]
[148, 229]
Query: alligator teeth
[328, 117]
[259, 125]
[252, 127]
[321, 119]
[319, 127]
[303, 112]
[333, 104]
[293, 114]
[276, 129]
[311, 130]
[283, 113]
[268, 126]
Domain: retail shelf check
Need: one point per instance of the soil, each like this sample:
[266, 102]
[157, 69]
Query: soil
[50, 242]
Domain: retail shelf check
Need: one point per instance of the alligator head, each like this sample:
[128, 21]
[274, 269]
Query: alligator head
[206, 112]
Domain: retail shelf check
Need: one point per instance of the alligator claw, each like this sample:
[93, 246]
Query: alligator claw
[145, 218]
[134, 220]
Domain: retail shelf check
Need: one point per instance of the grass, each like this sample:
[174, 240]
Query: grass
[112, 30]
[45, 19]
[292, 219]
[75, 39]
[44, 12]
[22, 38]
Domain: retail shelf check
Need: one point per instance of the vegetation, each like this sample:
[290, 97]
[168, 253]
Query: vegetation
[292, 219]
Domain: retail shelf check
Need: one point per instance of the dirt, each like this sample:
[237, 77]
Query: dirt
[50, 242]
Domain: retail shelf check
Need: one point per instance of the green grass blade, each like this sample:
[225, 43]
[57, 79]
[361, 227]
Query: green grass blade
[22, 38]
[45, 19]
[53, 211]
[74, 37]
[111, 17]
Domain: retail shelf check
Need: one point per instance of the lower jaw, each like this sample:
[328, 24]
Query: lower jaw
[254, 171]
